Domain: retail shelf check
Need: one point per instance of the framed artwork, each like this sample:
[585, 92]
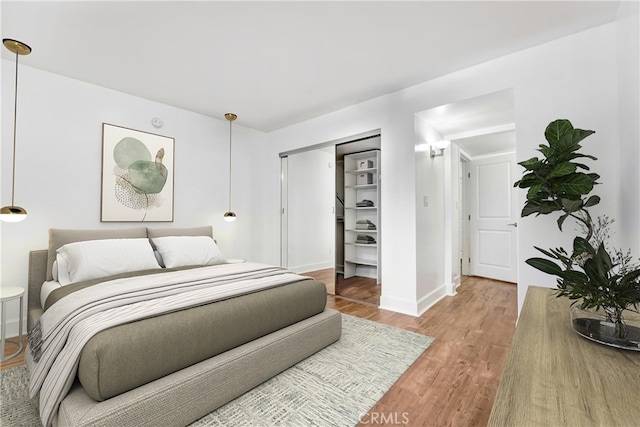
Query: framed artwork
[137, 176]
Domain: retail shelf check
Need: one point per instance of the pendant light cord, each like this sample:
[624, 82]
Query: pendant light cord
[230, 123]
[15, 116]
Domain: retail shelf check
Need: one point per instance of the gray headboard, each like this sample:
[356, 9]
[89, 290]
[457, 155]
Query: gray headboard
[37, 276]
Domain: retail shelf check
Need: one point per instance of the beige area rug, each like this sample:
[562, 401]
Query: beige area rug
[334, 387]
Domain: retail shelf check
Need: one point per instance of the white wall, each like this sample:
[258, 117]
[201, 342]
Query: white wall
[582, 89]
[58, 170]
[433, 276]
[628, 66]
[311, 195]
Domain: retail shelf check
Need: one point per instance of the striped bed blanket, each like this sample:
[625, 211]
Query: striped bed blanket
[57, 340]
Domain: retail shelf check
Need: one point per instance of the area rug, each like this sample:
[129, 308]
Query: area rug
[334, 387]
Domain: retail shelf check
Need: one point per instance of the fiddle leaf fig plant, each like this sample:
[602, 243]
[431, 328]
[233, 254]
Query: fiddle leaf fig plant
[594, 274]
[557, 182]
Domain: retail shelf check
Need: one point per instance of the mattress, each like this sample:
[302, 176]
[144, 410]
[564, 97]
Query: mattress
[117, 360]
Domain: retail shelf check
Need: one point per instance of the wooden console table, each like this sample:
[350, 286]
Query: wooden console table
[554, 377]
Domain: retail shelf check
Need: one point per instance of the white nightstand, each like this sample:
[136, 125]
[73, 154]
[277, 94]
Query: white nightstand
[8, 293]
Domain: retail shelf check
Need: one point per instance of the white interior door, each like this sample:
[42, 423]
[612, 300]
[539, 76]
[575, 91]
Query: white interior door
[493, 218]
[310, 239]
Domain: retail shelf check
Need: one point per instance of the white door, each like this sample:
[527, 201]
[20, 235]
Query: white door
[493, 218]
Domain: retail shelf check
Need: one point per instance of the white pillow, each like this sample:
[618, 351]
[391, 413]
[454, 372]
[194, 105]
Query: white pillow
[61, 270]
[178, 251]
[54, 270]
[92, 259]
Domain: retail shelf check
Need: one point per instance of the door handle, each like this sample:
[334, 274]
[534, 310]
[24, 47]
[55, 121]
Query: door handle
[513, 224]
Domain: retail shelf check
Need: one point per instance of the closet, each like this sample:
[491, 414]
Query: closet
[362, 215]
[331, 214]
[358, 217]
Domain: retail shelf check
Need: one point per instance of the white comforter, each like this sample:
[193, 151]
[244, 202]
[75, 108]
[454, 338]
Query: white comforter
[69, 324]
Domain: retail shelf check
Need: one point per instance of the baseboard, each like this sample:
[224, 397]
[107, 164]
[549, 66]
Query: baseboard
[398, 305]
[427, 301]
[311, 267]
[412, 308]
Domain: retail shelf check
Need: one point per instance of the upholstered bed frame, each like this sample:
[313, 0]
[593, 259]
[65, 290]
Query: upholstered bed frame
[187, 395]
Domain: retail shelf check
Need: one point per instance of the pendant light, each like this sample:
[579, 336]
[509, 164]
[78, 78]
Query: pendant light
[229, 215]
[14, 213]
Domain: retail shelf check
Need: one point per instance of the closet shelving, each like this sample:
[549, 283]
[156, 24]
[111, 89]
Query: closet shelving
[362, 205]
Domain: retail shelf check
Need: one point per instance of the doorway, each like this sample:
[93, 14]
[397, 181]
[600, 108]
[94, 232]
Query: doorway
[480, 130]
[312, 215]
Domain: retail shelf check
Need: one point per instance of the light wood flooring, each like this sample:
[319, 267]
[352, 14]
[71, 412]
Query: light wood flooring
[454, 382]
[359, 288]
[10, 348]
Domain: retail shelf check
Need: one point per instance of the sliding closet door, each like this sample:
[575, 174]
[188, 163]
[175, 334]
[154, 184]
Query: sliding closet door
[310, 194]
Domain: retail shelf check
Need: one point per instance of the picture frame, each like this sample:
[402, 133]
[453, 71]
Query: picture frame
[137, 176]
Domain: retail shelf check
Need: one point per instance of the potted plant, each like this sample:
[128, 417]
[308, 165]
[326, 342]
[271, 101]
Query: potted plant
[601, 279]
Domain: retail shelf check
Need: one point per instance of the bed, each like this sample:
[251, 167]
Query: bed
[146, 326]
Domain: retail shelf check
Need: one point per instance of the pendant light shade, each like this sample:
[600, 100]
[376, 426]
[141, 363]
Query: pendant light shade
[14, 213]
[230, 216]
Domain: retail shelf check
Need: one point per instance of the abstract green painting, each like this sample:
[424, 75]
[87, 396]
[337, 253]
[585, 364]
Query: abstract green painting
[137, 175]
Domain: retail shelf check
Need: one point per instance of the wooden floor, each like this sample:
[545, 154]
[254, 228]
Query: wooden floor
[358, 288]
[10, 348]
[455, 381]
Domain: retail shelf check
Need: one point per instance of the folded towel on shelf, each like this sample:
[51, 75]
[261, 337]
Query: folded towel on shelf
[364, 204]
[365, 224]
[365, 227]
[365, 239]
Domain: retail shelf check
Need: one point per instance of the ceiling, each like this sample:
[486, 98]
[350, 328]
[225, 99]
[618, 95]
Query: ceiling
[275, 64]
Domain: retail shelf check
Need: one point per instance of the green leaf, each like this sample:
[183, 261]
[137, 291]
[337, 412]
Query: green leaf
[571, 205]
[581, 245]
[544, 149]
[545, 266]
[592, 201]
[528, 209]
[570, 141]
[562, 169]
[561, 220]
[578, 135]
[594, 271]
[575, 184]
[573, 276]
[556, 129]
[531, 164]
[528, 180]
[538, 207]
[630, 277]
[603, 258]
[546, 207]
[534, 192]
[578, 155]
[547, 253]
